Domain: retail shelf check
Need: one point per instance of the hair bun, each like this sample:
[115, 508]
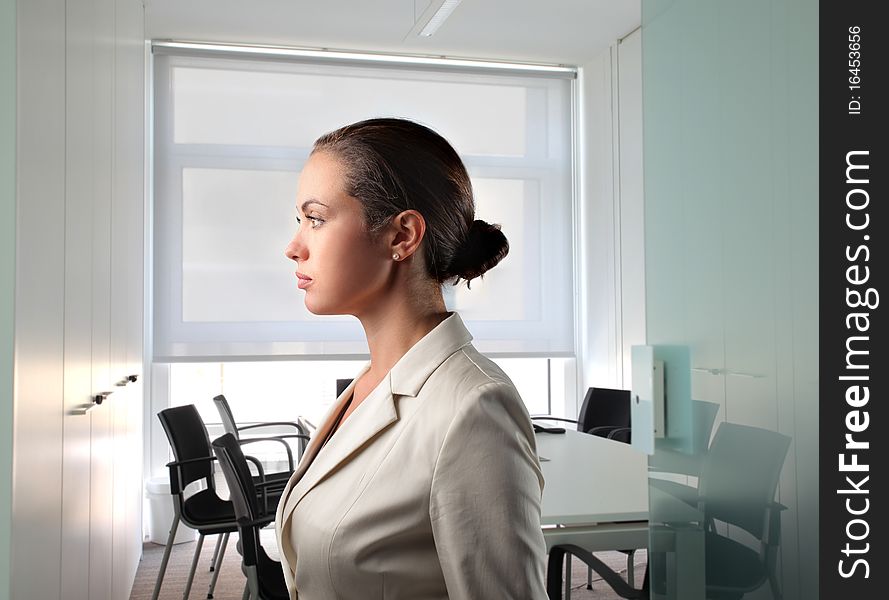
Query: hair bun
[485, 246]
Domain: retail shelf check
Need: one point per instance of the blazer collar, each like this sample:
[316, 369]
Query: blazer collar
[377, 412]
[414, 368]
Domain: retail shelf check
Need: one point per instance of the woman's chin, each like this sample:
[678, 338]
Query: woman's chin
[320, 309]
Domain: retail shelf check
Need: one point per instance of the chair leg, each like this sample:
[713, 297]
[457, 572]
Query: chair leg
[554, 573]
[167, 549]
[224, 542]
[617, 583]
[631, 572]
[589, 578]
[194, 566]
[215, 553]
[567, 577]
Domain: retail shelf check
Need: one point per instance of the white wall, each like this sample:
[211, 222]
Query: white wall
[630, 245]
[37, 436]
[7, 276]
[611, 314]
[76, 494]
[597, 313]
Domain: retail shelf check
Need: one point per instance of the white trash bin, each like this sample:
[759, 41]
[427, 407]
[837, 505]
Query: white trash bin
[160, 514]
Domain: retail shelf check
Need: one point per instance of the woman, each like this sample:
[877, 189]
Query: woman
[423, 480]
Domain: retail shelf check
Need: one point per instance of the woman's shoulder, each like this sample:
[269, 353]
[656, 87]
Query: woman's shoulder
[468, 377]
[472, 368]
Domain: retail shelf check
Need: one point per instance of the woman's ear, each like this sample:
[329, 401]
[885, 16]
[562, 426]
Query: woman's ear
[408, 228]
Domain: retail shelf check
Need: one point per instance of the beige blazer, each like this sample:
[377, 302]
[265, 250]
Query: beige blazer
[430, 489]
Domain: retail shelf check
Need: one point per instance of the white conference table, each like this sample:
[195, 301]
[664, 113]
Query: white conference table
[595, 494]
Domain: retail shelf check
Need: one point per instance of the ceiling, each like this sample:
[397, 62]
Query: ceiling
[555, 31]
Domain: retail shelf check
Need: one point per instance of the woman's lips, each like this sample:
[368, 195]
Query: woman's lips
[303, 281]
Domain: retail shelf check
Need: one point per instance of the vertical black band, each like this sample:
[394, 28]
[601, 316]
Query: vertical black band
[854, 170]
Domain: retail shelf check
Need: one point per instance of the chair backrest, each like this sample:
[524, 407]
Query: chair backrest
[604, 406]
[741, 473]
[265, 579]
[225, 413]
[341, 385]
[189, 440]
[703, 417]
[237, 476]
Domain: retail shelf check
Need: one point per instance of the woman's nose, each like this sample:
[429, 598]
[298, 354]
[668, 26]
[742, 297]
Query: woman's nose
[295, 250]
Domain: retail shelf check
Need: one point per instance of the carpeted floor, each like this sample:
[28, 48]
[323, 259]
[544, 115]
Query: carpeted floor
[230, 585]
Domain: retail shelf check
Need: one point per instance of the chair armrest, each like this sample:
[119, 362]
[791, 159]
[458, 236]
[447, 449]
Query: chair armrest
[602, 430]
[175, 467]
[265, 484]
[296, 426]
[614, 433]
[256, 462]
[278, 439]
[187, 461]
[549, 418]
[772, 534]
[259, 522]
[248, 541]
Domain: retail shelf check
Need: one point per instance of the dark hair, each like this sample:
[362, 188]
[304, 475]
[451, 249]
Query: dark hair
[393, 165]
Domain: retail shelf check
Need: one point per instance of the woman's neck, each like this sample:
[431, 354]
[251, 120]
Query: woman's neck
[390, 339]
[399, 324]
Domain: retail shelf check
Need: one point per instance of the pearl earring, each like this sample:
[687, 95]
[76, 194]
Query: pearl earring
[395, 256]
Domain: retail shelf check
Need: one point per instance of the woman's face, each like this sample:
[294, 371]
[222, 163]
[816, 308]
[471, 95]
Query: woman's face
[340, 266]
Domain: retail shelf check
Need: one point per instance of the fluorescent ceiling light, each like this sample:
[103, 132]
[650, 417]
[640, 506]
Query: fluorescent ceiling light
[337, 56]
[444, 10]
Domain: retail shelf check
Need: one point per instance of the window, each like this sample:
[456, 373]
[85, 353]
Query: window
[230, 136]
[285, 390]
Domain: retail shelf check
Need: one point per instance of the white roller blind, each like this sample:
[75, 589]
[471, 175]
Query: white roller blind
[230, 137]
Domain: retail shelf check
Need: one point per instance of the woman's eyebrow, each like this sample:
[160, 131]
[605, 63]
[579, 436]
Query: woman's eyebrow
[312, 201]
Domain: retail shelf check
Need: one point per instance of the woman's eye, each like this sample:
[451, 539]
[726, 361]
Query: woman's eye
[314, 221]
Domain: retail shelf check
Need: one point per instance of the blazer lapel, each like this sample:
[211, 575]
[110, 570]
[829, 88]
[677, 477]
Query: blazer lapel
[376, 413]
[372, 416]
[288, 497]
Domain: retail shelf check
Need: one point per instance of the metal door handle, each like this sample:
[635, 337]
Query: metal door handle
[126, 380]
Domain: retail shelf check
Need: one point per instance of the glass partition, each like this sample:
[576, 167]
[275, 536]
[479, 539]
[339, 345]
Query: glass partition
[731, 245]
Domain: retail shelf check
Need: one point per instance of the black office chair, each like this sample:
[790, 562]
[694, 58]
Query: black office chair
[603, 411]
[737, 487]
[203, 510]
[265, 579]
[230, 426]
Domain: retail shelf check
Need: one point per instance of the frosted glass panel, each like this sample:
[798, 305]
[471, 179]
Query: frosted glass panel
[270, 108]
[731, 256]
